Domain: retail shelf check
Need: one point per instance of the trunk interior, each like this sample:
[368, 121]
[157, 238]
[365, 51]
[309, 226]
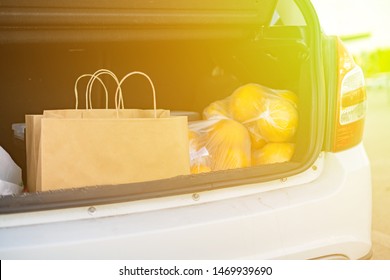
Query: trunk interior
[188, 71]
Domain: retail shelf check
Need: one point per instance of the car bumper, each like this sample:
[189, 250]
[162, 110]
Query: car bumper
[326, 217]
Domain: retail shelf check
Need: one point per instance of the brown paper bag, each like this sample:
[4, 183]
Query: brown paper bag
[79, 148]
[85, 152]
[33, 128]
[106, 113]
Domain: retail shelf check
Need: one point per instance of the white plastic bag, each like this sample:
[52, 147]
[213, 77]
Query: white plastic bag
[10, 175]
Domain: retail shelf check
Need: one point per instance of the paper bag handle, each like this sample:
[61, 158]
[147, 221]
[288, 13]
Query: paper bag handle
[119, 96]
[119, 103]
[76, 91]
[88, 91]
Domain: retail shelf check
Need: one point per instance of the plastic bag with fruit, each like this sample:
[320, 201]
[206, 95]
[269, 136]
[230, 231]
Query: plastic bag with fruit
[269, 115]
[219, 144]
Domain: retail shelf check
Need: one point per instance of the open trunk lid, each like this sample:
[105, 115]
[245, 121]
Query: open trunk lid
[85, 20]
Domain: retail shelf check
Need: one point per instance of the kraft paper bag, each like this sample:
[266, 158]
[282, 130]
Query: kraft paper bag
[72, 148]
[106, 113]
[33, 128]
[88, 152]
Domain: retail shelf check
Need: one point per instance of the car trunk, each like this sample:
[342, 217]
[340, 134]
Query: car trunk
[195, 52]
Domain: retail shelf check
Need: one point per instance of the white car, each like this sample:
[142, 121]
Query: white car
[316, 205]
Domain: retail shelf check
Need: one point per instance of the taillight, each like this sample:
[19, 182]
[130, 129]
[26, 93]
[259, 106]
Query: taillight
[351, 102]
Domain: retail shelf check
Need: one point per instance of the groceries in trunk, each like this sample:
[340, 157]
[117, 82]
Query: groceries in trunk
[253, 126]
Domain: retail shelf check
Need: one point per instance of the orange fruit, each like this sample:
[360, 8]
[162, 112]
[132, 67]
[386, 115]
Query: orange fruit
[278, 120]
[229, 145]
[273, 153]
[217, 109]
[257, 141]
[288, 95]
[200, 168]
[246, 101]
[225, 158]
[229, 132]
[199, 156]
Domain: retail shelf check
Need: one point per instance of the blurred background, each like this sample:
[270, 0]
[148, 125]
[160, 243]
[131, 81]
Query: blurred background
[364, 26]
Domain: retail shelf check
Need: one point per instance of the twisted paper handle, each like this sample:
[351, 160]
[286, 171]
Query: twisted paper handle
[88, 91]
[119, 103]
[119, 96]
